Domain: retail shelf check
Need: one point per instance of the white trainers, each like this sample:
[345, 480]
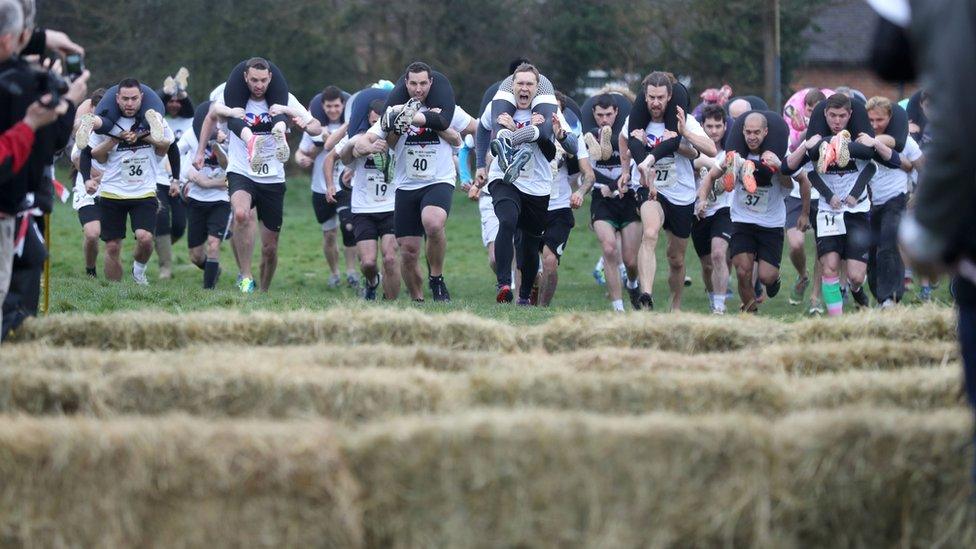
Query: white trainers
[282, 151]
[141, 280]
[255, 146]
[181, 79]
[405, 119]
[155, 121]
[85, 127]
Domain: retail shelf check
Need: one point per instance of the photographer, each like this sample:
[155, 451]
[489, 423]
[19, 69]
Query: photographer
[33, 101]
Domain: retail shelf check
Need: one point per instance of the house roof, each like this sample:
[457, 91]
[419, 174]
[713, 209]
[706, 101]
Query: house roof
[841, 33]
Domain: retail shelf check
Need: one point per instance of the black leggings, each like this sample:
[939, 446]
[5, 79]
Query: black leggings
[237, 94]
[108, 109]
[359, 109]
[440, 96]
[171, 216]
[776, 141]
[640, 117]
[514, 216]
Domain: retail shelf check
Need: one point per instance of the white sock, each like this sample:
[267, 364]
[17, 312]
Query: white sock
[718, 302]
[618, 305]
[632, 284]
[138, 269]
[599, 265]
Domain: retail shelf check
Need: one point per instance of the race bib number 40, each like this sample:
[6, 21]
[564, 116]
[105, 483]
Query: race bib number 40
[830, 224]
[420, 163]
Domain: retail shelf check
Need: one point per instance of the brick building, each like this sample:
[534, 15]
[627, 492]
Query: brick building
[840, 43]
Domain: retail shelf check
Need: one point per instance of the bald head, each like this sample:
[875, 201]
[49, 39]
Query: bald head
[739, 107]
[754, 129]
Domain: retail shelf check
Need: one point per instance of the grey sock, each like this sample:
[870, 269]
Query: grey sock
[525, 135]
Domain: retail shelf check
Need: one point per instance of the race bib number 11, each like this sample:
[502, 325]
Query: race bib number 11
[830, 224]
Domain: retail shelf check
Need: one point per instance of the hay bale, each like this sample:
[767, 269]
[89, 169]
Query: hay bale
[928, 323]
[913, 389]
[155, 330]
[529, 478]
[174, 482]
[873, 478]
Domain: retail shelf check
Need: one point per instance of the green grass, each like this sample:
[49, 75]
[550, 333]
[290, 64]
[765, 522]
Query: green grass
[300, 282]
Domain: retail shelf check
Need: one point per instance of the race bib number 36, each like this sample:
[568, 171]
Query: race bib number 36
[135, 168]
[830, 224]
[420, 163]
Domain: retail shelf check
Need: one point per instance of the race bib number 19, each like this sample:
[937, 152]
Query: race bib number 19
[377, 187]
[420, 163]
[830, 224]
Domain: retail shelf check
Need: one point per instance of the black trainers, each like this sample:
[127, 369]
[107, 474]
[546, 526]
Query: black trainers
[634, 297]
[369, 290]
[773, 288]
[521, 158]
[645, 302]
[860, 297]
[438, 289]
[501, 149]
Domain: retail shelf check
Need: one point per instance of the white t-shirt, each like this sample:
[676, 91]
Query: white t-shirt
[888, 183]
[80, 197]
[179, 127]
[318, 176]
[269, 170]
[131, 171]
[723, 200]
[562, 191]
[461, 119]
[536, 177]
[676, 174]
[371, 193]
[841, 181]
[765, 207]
[421, 158]
[211, 169]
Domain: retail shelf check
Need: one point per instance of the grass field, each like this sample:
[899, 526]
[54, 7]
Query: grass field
[300, 282]
[173, 416]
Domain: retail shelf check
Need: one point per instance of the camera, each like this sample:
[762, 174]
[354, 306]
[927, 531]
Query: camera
[36, 82]
[74, 65]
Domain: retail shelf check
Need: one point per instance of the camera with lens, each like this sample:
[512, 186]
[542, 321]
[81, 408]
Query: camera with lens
[36, 82]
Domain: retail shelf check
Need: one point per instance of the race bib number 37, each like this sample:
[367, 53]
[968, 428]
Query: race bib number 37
[830, 224]
[757, 202]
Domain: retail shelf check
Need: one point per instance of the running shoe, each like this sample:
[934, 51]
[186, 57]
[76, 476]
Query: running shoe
[925, 294]
[84, 130]
[841, 144]
[369, 290]
[606, 145]
[748, 176]
[282, 151]
[816, 308]
[887, 304]
[333, 282]
[141, 280]
[635, 294]
[404, 119]
[504, 294]
[645, 302]
[860, 298]
[728, 179]
[156, 129]
[688, 281]
[600, 277]
[828, 155]
[774, 288]
[760, 291]
[501, 149]
[523, 302]
[593, 147]
[254, 146]
[182, 80]
[246, 286]
[799, 289]
[388, 118]
[521, 158]
[169, 86]
[352, 280]
[438, 289]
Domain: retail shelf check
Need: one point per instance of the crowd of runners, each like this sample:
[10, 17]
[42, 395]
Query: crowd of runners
[732, 175]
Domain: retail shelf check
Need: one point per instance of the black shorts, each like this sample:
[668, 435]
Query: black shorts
[268, 198]
[718, 225]
[409, 205]
[559, 223]
[618, 212]
[678, 220]
[140, 211]
[370, 226]
[324, 211]
[206, 219]
[854, 245]
[344, 211]
[87, 214]
[763, 242]
[533, 211]
[793, 207]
